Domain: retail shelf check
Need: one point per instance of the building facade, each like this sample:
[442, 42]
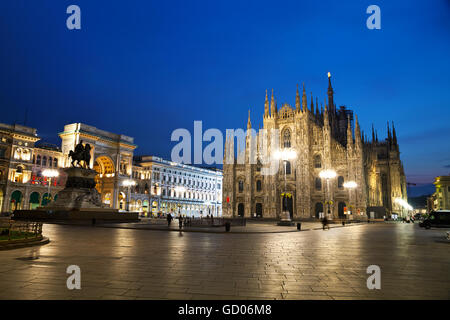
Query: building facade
[440, 199]
[326, 138]
[147, 184]
[170, 187]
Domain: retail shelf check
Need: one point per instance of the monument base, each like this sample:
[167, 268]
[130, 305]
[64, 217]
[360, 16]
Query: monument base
[78, 201]
[86, 215]
[285, 219]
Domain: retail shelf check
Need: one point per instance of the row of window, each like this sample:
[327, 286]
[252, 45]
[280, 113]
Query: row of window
[317, 184]
[44, 162]
[189, 195]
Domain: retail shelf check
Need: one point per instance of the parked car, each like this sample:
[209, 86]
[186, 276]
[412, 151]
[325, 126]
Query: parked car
[440, 218]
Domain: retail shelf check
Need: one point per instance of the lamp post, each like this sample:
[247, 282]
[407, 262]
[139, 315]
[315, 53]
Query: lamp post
[328, 174]
[49, 174]
[128, 183]
[350, 185]
[285, 155]
[179, 190]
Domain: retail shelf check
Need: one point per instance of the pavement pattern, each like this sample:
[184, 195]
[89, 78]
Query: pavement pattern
[119, 263]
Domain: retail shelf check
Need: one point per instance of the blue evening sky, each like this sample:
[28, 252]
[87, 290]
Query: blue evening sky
[145, 68]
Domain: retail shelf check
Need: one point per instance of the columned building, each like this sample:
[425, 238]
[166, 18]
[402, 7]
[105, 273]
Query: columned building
[22, 163]
[324, 138]
[440, 199]
[169, 187]
[146, 184]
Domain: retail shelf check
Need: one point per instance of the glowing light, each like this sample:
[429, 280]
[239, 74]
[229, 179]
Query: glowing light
[403, 203]
[180, 189]
[128, 183]
[50, 173]
[285, 154]
[327, 174]
[329, 74]
[350, 184]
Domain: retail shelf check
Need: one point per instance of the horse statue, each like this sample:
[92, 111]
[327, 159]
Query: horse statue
[81, 153]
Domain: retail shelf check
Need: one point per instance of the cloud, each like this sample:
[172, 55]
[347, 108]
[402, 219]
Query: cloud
[447, 166]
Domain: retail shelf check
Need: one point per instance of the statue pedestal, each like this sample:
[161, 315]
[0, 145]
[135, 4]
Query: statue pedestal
[79, 193]
[285, 219]
[78, 201]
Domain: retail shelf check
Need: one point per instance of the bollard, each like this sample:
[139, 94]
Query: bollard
[299, 226]
[227, 226]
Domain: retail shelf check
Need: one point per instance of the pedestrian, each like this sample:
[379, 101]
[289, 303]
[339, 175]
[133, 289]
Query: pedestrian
[180, 221]
[169, 219]
[325, 223]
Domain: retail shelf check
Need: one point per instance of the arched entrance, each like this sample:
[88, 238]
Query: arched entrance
[145, 207]
[16, 200]
[259, 210]
[46, 198]
[318, 210]
[341, 207]
[287, 204]
[34, 200]
[105, 169]
[240, 210]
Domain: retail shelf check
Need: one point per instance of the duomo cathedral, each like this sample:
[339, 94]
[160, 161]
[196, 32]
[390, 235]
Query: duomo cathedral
[323, 138]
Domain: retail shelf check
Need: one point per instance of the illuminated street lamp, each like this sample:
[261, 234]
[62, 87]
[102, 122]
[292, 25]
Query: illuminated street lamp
[328, 174]
[49, 174]
[350, 185]
[179, 190]
[128, 183]
[285, 155]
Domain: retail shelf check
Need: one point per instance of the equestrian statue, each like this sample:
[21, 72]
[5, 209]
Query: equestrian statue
[81, 153]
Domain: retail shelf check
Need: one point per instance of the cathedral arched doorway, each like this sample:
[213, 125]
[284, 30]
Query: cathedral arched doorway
[241, 210]
[287, 204]
[318, 210]
[341, 207]
[259, 210]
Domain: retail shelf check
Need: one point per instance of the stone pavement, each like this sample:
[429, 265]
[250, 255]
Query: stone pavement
[145, 264]
[251, 227]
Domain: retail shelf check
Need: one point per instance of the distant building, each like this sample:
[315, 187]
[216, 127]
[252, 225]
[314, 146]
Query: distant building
[157, 185]
[22, 161]
[440, 200]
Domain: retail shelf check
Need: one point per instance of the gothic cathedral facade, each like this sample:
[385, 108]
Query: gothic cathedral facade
[368, 176]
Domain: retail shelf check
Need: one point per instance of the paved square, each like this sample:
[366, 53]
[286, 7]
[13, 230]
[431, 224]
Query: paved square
[147, 264]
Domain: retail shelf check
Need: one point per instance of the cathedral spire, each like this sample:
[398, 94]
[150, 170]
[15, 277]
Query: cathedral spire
[389, 133]
[317, 106]
[358, 136]
[330, 93]
[373, 134]
[325, 115]
[349, 133]
[273, 106]
[304, 102]
[249, 123]
[266, 106]
[297, 101]
[394, 135]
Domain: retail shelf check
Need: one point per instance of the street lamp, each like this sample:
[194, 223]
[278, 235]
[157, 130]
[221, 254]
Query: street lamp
[285, 155]
[350, 185]
[49, 174]
[328, 174]
[128, 183]
[179, 190]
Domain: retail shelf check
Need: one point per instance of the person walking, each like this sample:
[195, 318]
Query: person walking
[169, 219]
[325, 223]
[180, 221]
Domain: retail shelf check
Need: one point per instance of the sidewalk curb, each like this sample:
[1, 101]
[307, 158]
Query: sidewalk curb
[19, 245]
